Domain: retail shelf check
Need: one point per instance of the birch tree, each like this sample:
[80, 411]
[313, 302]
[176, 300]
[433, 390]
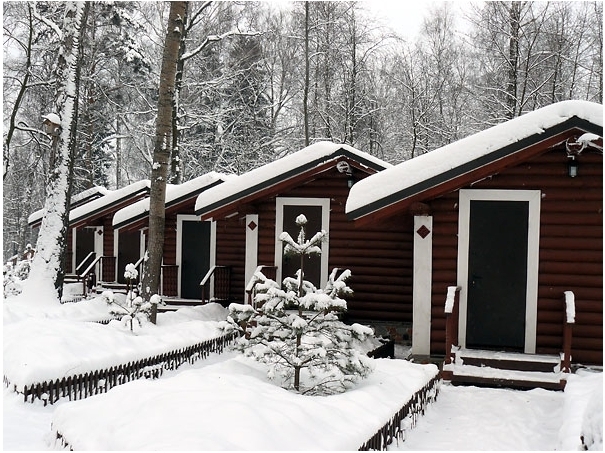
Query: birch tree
[161, 153]
[47, 269]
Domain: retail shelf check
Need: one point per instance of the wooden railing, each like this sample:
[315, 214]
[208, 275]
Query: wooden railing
[85, 262]
[222, 284]
[451, 321]
[267, 271]
[92, 383]
[102, 265]
[570, 319]
[169, 280]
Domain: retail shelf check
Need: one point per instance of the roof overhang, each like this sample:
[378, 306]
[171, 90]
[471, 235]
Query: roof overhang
[141, 218]
[232, 201]
[82, 219]
[472, 170]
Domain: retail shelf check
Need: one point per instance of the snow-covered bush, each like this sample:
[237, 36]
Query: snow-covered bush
[14, 275]
[296, 331]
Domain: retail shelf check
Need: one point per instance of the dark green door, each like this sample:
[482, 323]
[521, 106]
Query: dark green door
[85, 244]
[312, 263]
[497, 275]
[195, 257]
[129, 251]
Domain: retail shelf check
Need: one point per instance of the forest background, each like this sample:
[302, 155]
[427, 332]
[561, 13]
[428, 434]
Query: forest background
[259, 80]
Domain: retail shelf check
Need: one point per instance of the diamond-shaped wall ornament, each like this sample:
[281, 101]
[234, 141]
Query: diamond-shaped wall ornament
[252, 225]
[423, 231]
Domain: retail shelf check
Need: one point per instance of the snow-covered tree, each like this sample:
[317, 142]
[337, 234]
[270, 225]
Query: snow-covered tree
[47, 270]
[296, 331]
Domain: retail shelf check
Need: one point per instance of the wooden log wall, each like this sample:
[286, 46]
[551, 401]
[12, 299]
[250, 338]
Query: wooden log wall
[109, 266]
[231, 251]
[170, 239]
[379, 256]
[571, 249]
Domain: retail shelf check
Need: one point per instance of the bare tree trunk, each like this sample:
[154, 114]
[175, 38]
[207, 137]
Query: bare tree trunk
[306, 87]
[176, 169]
[513, 58]
[161, 153]
[52, 240]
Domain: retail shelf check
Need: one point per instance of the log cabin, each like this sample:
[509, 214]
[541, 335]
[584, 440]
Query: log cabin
[251, 211]
[507, 228]
[188, 243]
[92, 247]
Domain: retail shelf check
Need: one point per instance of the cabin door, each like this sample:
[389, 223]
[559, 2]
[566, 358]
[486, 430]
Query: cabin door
[194, 253]
[129, 251]
[85, 241]
[500, 294]
[316, 210]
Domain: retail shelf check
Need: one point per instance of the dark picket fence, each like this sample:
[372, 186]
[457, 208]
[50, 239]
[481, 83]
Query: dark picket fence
[404, 419]
[100, 381]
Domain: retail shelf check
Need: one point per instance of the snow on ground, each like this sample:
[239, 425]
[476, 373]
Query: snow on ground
[226, 402]
[232, 405]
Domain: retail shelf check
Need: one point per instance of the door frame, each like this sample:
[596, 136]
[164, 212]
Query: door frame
[180, 218]
[116, 248]
[533, 198]
[324, 203]
[97, 246]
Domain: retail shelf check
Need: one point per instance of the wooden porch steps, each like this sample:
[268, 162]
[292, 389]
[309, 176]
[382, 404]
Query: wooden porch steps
[505, 369]
[175, 303]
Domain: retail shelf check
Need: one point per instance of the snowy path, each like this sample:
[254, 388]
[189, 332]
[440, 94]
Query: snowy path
[472, 418]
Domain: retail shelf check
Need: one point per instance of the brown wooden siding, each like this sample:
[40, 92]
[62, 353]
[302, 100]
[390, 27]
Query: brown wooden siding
[170, 240]
[231, 251]
[379, 256]
[571, 249]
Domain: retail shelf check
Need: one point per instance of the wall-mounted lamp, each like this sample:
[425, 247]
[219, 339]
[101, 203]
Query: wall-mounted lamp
[572, 167]
[574, 147]
[344, 167]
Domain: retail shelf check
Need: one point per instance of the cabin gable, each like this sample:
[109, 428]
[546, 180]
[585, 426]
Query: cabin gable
[569, 250]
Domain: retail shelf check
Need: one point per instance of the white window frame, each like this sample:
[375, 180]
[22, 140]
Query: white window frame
[533, 197]
[180, 218]
[324, 203]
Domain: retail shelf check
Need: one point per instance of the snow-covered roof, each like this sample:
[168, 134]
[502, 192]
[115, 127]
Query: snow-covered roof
[113, 198]
[76, 200]
[87, 195]
[97, 205]
[423, 172]
[174, 195]
[272, 173]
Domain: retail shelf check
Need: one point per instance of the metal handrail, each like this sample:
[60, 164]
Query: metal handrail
[254, 281]
[207, 277]
[79, 266]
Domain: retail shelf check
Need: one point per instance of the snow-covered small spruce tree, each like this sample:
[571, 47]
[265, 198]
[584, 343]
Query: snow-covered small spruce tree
[296, 331]
[133, 308]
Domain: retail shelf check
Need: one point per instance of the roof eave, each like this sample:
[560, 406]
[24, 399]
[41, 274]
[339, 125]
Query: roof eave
[551, 134]
[312, 167]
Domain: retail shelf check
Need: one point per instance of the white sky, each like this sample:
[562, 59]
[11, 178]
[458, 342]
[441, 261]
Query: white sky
[406, 17]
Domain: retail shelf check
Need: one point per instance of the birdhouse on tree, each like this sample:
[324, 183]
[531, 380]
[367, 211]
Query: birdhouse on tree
[52, 124]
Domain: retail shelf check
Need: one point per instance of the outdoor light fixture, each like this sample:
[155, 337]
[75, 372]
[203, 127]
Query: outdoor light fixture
[572, 167]
[574, 146]
[344, 167]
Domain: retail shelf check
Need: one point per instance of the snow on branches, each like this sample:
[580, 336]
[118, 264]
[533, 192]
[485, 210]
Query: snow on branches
[133, 308]
[295, 328]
